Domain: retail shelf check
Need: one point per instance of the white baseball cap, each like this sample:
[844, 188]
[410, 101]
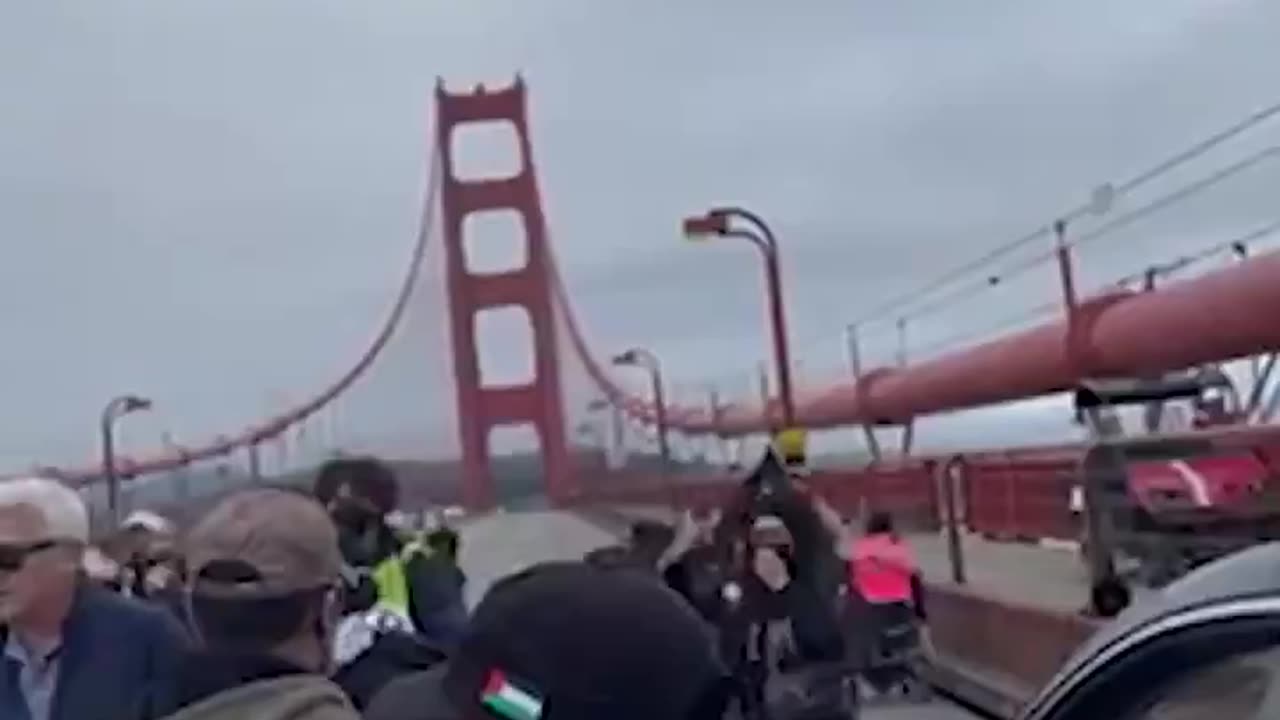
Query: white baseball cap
[147, 520]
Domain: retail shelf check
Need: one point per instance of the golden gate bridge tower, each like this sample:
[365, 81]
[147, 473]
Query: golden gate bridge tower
[482, 408]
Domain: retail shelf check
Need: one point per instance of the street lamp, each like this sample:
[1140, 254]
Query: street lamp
[637, 357]
[717, 410]
[116, 409]
[614, 446]
[181, 472]
[718, 222]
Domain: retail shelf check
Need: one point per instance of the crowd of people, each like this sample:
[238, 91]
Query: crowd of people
[279, 604]
[808, 614]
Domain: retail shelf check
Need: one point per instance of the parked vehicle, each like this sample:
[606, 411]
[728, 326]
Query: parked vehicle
[1207, 646]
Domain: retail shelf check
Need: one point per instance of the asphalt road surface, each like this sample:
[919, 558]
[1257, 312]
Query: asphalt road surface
[499, 544]
[502, 543]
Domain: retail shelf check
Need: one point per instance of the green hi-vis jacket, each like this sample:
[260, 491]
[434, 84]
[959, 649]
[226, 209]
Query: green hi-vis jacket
[391, 580]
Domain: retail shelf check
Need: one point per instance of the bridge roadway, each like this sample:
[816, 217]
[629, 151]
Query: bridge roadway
[498, 544]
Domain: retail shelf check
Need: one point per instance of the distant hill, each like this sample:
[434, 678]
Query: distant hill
[517, 477]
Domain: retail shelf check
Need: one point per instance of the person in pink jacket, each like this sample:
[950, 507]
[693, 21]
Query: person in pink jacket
[885, 579]
[882, 568]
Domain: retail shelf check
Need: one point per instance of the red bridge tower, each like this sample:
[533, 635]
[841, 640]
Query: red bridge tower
[482, 408]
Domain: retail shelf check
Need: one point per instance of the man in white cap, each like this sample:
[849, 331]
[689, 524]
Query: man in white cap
[147, 521]
[150, 567]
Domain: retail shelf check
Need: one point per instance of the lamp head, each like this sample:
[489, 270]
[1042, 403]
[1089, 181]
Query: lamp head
[133, 403]
[703, 227]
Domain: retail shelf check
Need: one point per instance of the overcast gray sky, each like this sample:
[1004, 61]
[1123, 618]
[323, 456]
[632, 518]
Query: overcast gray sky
[212, 202]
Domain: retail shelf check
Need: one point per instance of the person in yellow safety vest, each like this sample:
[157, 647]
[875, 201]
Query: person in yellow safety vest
[390, 582]
[437, 549]
[404, 579]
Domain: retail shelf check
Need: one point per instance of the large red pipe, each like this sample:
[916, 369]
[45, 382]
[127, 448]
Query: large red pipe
[1223, 315]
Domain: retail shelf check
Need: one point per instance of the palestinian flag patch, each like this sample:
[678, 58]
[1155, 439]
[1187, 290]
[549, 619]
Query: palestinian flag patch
[509, 701]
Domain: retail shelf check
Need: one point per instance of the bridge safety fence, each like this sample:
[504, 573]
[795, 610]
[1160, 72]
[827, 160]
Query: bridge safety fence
[1021, 495]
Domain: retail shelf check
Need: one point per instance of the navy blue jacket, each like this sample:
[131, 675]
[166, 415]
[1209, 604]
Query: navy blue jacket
[436, 599]
[117, 662]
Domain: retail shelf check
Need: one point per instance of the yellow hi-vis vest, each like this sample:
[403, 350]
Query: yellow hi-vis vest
[390, 579]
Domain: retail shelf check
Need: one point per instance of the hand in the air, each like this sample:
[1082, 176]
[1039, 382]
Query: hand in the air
[771, 569]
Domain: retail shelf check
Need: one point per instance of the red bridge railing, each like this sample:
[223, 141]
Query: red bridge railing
[1008, 495]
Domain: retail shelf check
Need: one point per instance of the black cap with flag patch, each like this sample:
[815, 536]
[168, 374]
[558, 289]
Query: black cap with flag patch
[568, 641]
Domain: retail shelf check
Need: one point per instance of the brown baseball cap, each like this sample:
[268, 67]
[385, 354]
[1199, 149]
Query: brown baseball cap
[263, 542]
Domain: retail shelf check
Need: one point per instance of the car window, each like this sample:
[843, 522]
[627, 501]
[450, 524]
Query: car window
[1243, 687]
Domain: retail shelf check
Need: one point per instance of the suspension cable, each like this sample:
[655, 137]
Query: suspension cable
[1162, 269]
[1180, 158]
[279, 426]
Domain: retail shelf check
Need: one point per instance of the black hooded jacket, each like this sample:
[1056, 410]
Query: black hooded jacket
[809, 600]
[392, 655]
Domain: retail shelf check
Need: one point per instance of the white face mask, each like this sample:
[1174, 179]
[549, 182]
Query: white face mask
[356, 633]
[159, 577]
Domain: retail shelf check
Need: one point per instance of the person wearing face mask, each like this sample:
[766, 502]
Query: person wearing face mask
[405, 583]
[264, 593]
[152, 568]
[781, 631]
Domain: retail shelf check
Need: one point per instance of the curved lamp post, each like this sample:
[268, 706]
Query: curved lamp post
[638, 357]
[614, 442]
[720, 222]
[116, 409]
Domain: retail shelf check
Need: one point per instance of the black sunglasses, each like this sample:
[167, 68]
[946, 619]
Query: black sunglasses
[14, 556]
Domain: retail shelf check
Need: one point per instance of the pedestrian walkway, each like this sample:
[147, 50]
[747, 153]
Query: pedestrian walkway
[1050, 578]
